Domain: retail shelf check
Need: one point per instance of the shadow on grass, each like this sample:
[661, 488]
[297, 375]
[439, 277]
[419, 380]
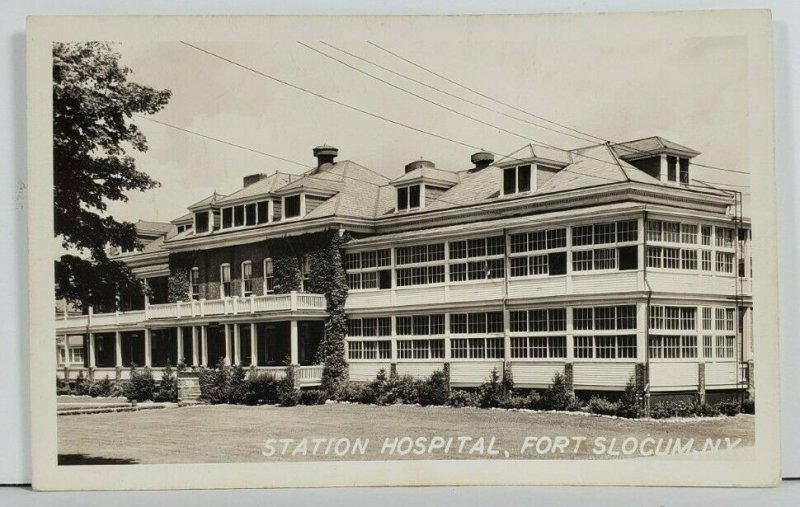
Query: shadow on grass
[83, 459]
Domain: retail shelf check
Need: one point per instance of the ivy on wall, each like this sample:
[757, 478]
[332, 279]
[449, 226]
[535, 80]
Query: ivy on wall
[178, 284]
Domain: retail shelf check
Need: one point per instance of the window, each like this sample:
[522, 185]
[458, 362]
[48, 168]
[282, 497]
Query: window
[726, 347]
[627, 230]
[539, 320]
[605, 234]
[708, 347]
[247, 278]
[238, 216]
[76, 355]
[654, 230]
[476, 348]
[432, 256]
[539, 347]
[724, 237]
[225, 280]
[689, 233]
[706, 262]
[654, 256]
[476, 323]
[604, 318]
[420, 349]
[369, 270]
[724, 262]
[672, 347]
[262, 210]
[201, 222]
[477, 259]
[371, 349]
[539, 253]
[408, 198]
[584, 347]
[725, 319]
[672, 232]
[250, 213]
[420, 325]
[269, 277]
[582, 260]
[671, 168]
[194, 281]
[707, 319]
[517, 179]
[305, 272]
[672, 258]
[684, 170]
[370, 327]
[227, 217]
[688, 259]
[672, 317]
[705, 235]
[605, 258]
[291, 206]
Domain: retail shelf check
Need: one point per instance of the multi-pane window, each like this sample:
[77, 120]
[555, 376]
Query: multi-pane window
[420, 349]
[369, 270]
[370, 327]
[689, 233]
[420, 325]
[539, 347]
[369, 349]
[291, 206]
[606, 235]
[705, 235]
[477, 259]
[724, 237]
[707, 324]
[305, 272]
[201, 221]
[605, 347]
[539, 253]
[672, 347]
[725, 319]
[688, 259]
[516, 179]
[476, 348]
[672, 317]
[539, 320]
[194, 281]
[408, 198]
[726, 347]
[476, 323]
[708, 346]
[225, 280]
[706, 262]
[269, 276]
[604, 318]
[724, 262]
[247, 278]
[427, 262]
[245, 215]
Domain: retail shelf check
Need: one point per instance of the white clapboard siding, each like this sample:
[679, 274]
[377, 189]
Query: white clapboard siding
[473, 373]
[534, 374]
[419, 295]
[602, 374]
[599, 283]
[665, 376]
[419, 369]
[537, 287]
[721, 374]
[369, 299]
[661, 281]
[365, 372]
[472, 292]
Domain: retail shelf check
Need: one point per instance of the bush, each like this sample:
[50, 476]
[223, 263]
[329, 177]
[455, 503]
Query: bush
[262, 388]
[82, 385]
[490, 394]
[287, 394]
[515, 401]
[629, 403]
[313, 397]
[533, 401]
[434, 390]
[749, 407]
[141, 386]
[223, 384]
[557, 396]
[459, 398]
[664, 409]
[62, 387]
[705, 410]
[102, 388]
[729, 407]
[602, 406]
[168, 388]
[352, 392]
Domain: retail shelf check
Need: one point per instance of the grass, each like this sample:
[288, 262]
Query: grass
[235, 434]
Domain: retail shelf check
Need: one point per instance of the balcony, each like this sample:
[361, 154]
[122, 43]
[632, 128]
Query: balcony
[252, 305]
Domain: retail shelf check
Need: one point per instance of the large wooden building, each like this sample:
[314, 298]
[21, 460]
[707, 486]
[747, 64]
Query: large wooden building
[605, 263]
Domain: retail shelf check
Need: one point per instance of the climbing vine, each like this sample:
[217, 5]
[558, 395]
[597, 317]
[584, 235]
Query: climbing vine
[178, 284]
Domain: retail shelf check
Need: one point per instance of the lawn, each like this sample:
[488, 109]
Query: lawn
[226, 433]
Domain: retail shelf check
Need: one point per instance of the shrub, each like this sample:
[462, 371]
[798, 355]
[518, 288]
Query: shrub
[629, 403]
[459, 398]
[313, 397]
[729, 407]
[557, 396]
[223, 384]
[705, 410]
[118, 388]
[261, 388]
[434, 390]
[490, 393]
[141, 386]
[168, 388]
[236, 387]
[600, 405]
[102, 388]
[62, 387]
[513, 400]
[287, 394]
[395, 389]
[533, 400]
[664, 409]
[749, 407]
[351, 391]
[82, 385]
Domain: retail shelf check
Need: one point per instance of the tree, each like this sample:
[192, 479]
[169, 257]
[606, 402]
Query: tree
[93, 103]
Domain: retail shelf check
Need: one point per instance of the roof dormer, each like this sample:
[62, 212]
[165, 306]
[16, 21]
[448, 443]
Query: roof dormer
[667, 161]
[421, 184]
[528, 169]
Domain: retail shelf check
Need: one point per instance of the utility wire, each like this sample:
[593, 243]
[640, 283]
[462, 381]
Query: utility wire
[528, 112]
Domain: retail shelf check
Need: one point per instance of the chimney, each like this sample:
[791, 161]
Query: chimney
[325, 154]
[482, 159]
[249, 180]
[418, 164]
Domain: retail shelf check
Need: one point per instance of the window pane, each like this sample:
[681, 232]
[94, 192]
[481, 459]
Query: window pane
[524, 178]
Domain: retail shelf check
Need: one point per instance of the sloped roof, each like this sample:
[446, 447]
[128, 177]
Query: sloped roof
[537, 151]
[261, 187]
[652, 145]
[188, 217]
[427, 173]
[210, 200]
[358, 194]
[146, 228]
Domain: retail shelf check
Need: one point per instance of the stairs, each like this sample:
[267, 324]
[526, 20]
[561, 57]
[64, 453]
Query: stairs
[188, 390]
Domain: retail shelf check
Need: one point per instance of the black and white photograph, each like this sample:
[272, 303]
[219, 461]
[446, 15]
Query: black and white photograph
[359, 243]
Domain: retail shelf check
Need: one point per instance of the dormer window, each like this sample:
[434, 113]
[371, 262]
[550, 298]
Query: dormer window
[201, 222]
[245, 215]
[517, 179]
[408, 198]
[678, 170]
[291, 206]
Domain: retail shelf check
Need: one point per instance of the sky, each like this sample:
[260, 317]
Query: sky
[606, 79]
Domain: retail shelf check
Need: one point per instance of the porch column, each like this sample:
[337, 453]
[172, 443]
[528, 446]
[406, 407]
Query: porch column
[293, 341]
[66, 350]
[91, 351]
[179, 337]
[195, 350]
[204, 345]
[253, 345]
[227, 344]
[148, 347]
[118, 349]
[237, 345]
